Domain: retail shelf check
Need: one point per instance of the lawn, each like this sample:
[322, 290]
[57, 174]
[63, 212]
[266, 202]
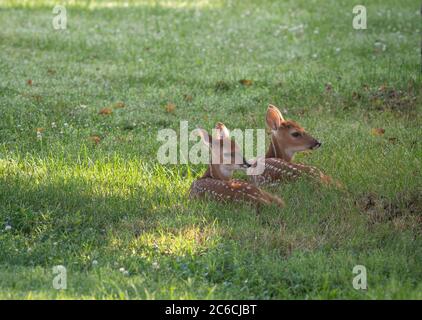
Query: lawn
[80, 184]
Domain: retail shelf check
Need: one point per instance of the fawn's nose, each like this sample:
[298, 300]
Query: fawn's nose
[246, 164]
[316, 145]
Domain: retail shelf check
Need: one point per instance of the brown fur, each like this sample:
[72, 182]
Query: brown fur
[283, 146]
[218, 184]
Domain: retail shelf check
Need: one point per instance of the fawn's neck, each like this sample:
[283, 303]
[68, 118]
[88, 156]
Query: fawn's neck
[218, 172]
[278, 150]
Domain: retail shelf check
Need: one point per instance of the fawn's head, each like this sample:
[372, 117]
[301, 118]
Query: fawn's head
[226, 155]
[287, 137]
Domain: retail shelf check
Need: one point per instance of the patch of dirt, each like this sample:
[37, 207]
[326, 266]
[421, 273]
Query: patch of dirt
[222, 86]
[402, 209]
[387, 98]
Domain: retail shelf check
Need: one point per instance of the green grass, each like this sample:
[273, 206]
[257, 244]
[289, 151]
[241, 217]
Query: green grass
[70, 201]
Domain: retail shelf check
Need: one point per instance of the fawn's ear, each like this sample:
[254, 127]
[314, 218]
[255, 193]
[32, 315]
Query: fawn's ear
[274, 117]
[221, 131]
[205, 137]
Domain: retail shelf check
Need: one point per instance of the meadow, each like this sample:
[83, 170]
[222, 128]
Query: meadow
[80, 184]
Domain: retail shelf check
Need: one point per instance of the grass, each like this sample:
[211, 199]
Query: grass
[89, 194]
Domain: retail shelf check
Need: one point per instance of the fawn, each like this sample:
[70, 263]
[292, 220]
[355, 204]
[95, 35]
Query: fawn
[287, 138]
[217, 182]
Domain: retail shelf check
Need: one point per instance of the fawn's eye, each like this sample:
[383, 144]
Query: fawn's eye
[296, 134]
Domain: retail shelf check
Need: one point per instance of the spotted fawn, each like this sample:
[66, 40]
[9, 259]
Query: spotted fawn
[287, 137]
[217, 181]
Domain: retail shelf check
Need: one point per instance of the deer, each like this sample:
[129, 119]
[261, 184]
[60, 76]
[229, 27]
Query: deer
[217, 182]
[286, 139]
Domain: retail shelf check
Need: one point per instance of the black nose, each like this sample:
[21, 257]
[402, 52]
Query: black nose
[316, 145]
[246, 164]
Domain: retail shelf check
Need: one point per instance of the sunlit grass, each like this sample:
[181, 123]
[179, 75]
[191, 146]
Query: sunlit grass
[109, 4]
[87, 191]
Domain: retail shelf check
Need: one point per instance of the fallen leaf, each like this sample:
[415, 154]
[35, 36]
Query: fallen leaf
[246, 82]
[40, 129]
[95, 139]
[378, 131]
[106, 111]
[29, 82]
[119, 105]
[170, 107]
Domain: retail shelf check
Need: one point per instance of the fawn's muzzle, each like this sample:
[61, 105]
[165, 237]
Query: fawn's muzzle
[316, 145]
[246, 164]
